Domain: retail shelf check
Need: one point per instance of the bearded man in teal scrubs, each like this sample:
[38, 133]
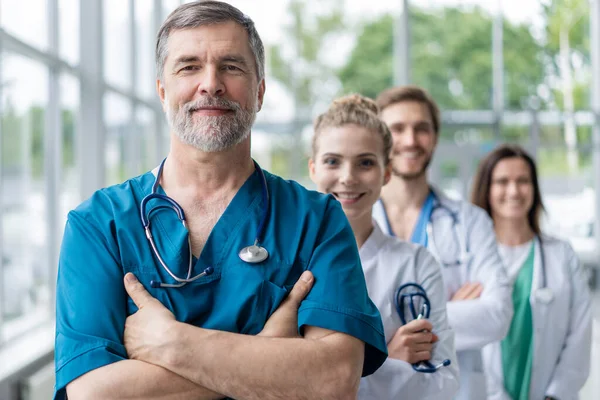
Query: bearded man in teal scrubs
[118, 335]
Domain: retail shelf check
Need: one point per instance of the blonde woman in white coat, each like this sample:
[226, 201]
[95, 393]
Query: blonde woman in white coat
[546, 353]
[350, 160]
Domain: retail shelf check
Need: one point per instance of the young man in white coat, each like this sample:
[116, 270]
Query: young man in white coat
[458, 234]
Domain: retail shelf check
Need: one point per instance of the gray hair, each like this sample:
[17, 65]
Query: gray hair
[201, 13]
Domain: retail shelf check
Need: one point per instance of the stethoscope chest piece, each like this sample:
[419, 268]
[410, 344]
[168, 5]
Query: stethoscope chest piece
[253, 254]
[544, 295]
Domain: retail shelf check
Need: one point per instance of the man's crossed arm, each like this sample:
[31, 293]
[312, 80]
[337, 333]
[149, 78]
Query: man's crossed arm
[173, 360]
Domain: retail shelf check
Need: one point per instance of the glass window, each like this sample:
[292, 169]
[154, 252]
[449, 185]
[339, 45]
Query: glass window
[568, 60]
[465, 134]
[25, 291]
[117, 43]
[148, 134]
[517, 134]
[451, 54]
[524, 71]
[557, 159]
[27, 20]
[547, 54]
[70, 178]
[69, 30]
[117, 120]
[145, 36]
[169, 6]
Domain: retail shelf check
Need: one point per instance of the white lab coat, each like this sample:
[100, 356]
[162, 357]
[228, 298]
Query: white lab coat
[478, 322]
[562, 328]
[388, 263]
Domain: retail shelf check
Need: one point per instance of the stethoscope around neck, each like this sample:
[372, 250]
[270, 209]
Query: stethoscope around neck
[544, 294]
[252, 254]
[429, 240]
[460, 238]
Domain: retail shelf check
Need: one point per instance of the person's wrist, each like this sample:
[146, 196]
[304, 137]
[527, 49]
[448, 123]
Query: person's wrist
[173, 345]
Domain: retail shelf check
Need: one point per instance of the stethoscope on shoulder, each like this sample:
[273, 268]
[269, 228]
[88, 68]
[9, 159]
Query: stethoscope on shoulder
[250, 254]
[405, 298]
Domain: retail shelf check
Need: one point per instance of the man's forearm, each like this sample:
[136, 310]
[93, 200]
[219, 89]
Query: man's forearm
[252, 367]
[131, 379]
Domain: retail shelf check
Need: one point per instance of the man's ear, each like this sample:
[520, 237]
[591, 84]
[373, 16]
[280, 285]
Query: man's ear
[160, 89]
[261, 95]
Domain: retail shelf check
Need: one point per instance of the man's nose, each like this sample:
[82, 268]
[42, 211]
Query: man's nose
[211, 83]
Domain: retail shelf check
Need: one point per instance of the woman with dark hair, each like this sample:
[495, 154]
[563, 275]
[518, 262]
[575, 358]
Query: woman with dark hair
[546, 353]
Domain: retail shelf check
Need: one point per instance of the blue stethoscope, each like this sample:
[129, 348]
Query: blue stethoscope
[250, 254]
[405, 298]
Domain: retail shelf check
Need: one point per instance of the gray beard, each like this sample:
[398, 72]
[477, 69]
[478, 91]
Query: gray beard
[212, 133]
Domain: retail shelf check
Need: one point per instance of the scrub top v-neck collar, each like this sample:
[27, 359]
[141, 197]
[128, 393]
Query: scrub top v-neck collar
[172, 237]
[419, 233]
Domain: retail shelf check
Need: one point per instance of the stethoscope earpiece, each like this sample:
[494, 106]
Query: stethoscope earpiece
[159, 285]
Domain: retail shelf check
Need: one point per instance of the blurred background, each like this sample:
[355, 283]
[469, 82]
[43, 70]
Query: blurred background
[78, 111]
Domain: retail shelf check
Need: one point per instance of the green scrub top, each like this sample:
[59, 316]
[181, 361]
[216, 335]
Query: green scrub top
[517, 346]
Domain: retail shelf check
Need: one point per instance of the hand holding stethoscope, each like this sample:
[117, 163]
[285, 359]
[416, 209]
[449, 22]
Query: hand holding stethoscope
[413, 342]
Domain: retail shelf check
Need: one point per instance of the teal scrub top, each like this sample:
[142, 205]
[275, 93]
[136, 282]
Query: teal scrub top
[104, 239]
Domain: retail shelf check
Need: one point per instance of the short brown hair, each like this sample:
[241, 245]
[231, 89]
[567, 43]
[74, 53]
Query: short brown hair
[410, 93]
[480, 193]
[353, 109]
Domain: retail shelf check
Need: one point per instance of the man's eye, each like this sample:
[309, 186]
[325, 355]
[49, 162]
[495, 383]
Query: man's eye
[189, 68]
[232, 68]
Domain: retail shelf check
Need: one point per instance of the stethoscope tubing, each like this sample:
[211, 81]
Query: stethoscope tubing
[464, 254]
[399, 301]
[145, 219]
[423, 366]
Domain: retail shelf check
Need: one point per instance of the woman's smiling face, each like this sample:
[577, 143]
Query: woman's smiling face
[350, 164]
